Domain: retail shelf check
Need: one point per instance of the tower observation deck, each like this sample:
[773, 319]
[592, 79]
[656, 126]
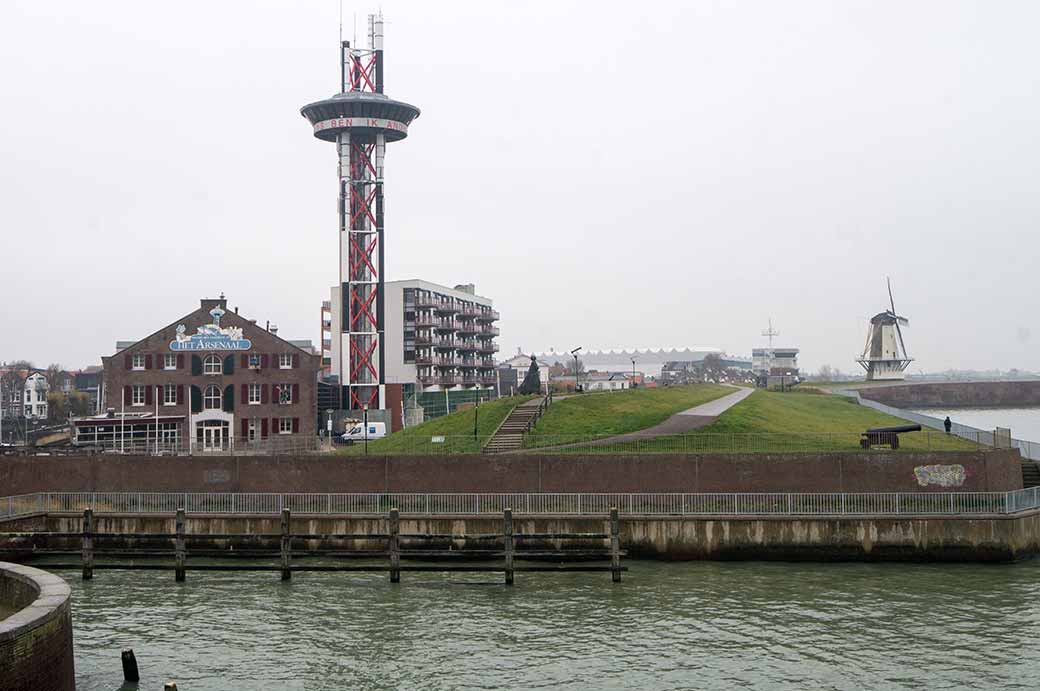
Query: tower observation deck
[360, 120]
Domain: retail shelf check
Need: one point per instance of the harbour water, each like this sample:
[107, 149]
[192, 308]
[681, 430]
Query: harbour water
[1024, 422]
[694, 625]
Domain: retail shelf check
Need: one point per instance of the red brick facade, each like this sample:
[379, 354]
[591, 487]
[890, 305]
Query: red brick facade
[267, 390]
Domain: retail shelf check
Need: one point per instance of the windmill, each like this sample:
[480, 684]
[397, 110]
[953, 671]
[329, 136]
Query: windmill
[884, 355]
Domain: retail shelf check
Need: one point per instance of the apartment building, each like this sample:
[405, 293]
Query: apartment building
[436, 338]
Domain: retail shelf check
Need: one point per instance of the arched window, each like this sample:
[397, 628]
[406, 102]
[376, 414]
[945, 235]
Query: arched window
[212, 397]
[213, 364]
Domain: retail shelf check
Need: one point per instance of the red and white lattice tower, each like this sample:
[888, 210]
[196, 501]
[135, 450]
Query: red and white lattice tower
[361, 120]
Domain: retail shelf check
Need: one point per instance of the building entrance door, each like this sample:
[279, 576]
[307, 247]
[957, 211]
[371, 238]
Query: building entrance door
[213, 438]
[212, 435]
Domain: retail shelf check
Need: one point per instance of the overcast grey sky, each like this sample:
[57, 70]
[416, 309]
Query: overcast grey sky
[610, 174]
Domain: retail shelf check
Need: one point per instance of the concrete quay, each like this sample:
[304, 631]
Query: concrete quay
[914, 538]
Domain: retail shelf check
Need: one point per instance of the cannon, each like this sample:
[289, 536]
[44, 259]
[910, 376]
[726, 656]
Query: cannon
[885, 436]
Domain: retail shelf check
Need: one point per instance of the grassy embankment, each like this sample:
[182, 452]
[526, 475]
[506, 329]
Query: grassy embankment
[770, 421]
[456, 428]
[598, 415]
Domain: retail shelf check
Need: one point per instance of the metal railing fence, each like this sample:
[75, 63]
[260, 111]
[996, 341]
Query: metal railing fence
[575, 504]
[1028, 449]
[237, 446]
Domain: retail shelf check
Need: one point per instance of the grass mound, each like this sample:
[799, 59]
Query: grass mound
[609, 413]
[456, 428]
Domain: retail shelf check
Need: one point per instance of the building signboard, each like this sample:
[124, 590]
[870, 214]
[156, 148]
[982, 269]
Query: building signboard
[211, 336]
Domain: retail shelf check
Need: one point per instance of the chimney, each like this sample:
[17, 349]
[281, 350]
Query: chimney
[274, 329]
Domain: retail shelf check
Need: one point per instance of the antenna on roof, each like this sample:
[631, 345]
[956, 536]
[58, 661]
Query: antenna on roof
[341, 22]
[770, 332]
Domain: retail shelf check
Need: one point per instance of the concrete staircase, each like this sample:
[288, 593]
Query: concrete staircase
[1030, 473]
[510, 434]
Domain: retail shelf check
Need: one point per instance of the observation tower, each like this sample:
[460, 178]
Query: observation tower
[360, 120]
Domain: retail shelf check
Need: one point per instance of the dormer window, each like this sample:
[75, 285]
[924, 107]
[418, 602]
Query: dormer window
[212, 365]
[137, 362]
[285, 361]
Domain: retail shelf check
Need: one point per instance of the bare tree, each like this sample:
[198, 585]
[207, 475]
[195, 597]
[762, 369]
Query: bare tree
[56, 376]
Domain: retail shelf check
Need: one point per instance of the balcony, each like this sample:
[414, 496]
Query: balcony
[446, 362]
[425, 320]
[326, 305]
[447, 380]
[427, 301]
[488, 379]
[466, 345]
[468, 327]
[429, 380]
[470, 311]
[423, 359]
[487, 364]
[488, 348]
[446, 307]
[470, 379]
[491, 331]
[444, 344]
[423, 339]
[488, 316]
[445, 325]
[466, 363]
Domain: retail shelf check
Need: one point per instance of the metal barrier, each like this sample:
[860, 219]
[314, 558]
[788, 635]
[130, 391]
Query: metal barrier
[670, 504]
[239, 446]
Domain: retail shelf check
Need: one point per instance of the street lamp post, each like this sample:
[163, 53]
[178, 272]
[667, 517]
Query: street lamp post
[366, 428]
[575, 354]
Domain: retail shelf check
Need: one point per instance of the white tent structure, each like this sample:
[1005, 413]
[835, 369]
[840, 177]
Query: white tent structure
[884, 356]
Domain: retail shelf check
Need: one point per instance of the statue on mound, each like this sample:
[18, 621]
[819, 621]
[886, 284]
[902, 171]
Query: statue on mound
[532, 380]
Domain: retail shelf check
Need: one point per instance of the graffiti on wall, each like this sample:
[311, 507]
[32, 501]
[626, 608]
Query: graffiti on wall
[940, 475]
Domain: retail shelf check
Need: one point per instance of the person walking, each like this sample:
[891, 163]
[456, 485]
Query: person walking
[948, 424]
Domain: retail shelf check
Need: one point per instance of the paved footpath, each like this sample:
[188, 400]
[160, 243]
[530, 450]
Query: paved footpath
[680, 423]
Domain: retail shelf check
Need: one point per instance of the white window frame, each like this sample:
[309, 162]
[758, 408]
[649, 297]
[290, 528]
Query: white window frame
[137, 362]
[207, 363]
[169, 361]
[169, 394]
[285, 361]
[41, 410]
[207, 397]
[253, 394]
[254, 361]
[285, 425]
[137, 395]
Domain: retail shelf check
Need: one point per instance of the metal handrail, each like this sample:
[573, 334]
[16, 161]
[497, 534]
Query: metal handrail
[630, 504]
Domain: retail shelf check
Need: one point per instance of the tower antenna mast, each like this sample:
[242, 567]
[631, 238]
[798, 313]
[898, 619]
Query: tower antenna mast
[770, 332]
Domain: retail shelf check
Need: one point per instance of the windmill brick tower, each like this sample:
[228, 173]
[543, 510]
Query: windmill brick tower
[884, 355]
[360, 120]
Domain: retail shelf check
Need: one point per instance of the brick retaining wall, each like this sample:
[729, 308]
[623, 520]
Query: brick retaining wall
[879, 471]
[35, 642]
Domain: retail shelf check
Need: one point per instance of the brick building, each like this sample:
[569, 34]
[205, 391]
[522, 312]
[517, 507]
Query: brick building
[205, 382]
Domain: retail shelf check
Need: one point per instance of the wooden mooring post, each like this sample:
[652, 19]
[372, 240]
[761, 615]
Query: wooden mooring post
[88, 544]
[179, 556]
[394, 545]
[507, 543]
[286, 545]
[615, 546]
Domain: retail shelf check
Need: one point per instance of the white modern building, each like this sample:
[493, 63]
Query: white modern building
[436, 338]
[766, 361]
